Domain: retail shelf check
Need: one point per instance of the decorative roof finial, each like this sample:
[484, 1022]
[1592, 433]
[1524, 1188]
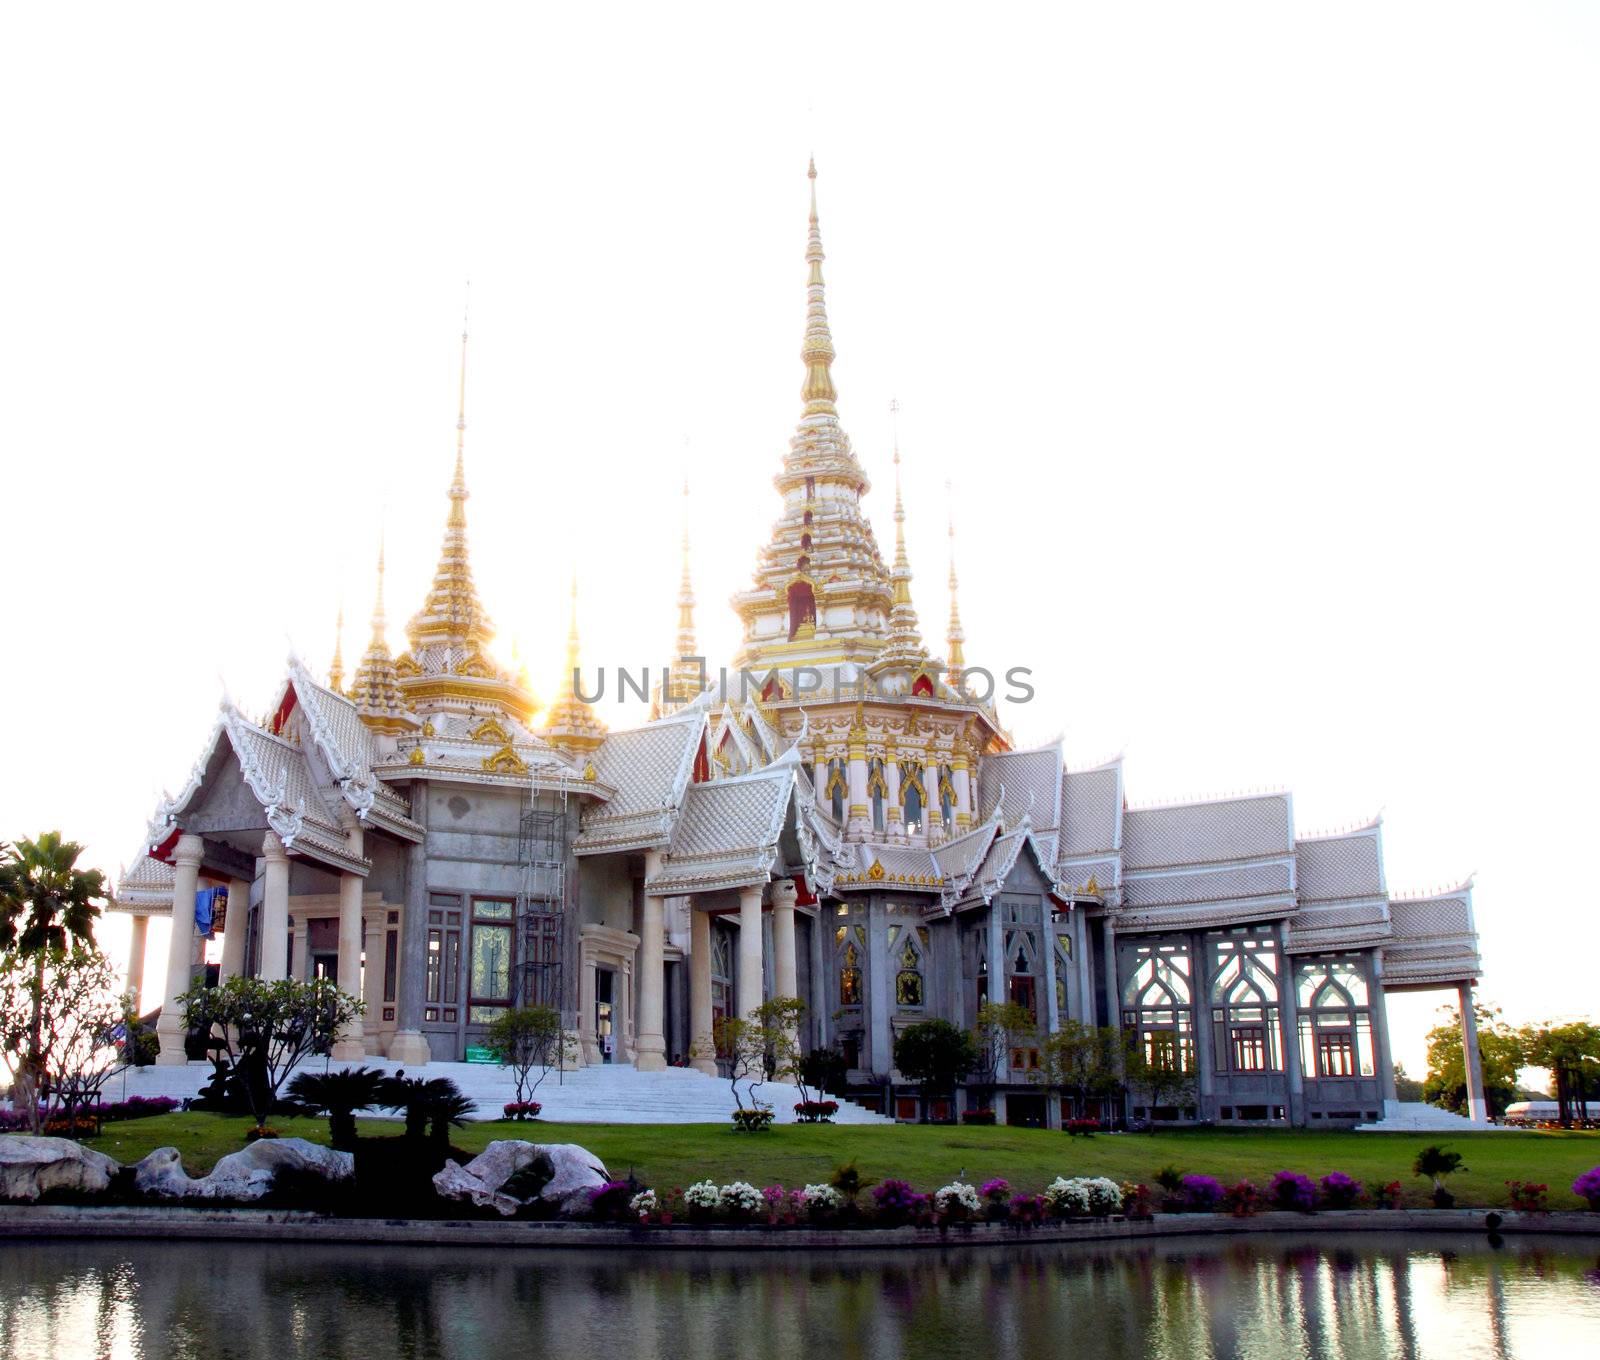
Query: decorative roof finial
[817, 349]
[903, 645]
[374, 689]
[955, 637]
[336, 666]
[571, 722]
[458, 485]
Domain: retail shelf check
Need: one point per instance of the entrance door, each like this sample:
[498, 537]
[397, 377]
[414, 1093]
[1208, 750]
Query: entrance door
[325, 966]
[604, 982]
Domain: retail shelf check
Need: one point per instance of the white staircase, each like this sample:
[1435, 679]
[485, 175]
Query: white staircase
[1413, 1116]
[611, 1093]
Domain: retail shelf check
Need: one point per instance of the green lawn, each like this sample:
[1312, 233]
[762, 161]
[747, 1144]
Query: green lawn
[668, 1155]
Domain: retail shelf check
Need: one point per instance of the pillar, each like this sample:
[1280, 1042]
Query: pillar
[234, 929]
[274, 910]
[784, 977]
[170, 1028]
[408, 1046]
[372, 985]
[350, 1046]
[997, 994]
[1204, 1034]
[750, 963]
[959, 773]
[588, 1040]
[1295, 1107]
[932, 811]
[894, 814]
[136, 959]
[1477, 1104]
[859, 811]
[702, 1041]
[650, 1045]
[1387, 1091]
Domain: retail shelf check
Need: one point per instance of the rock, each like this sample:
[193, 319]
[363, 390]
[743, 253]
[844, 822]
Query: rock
[31, 1166]
[243, 1175]
[161, 1176]
[248, 1174]
[571, 1172]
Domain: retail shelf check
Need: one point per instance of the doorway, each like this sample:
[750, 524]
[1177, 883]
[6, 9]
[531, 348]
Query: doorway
[604, 989]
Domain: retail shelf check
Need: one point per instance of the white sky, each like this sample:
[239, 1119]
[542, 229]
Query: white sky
[1258, 340]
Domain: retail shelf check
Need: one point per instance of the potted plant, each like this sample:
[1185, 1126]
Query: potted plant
[1436, 1163]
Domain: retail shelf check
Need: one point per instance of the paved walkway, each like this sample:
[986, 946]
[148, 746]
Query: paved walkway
[607, 1094]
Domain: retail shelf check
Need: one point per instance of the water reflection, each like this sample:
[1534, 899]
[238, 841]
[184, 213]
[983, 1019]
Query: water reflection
[1243, 1297]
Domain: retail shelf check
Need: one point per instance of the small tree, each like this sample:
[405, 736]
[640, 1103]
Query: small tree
[60, 1012]
[1500, 1057]
[266, 1028]
[1571, 1052]
[1436, 1163]
[743, 1047]
[1163, 1074]
[1001, 1026]
[340, 1094]
[936, 1055]
[47, 904]
[1080, 1061]
[526, 1040]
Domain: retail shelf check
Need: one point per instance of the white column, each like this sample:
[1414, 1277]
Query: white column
[650, 1044]
[588, 1040]
[1477, 1105]
[234, 929]
[750, 988]
[932, 813]
[858, 807]
[958, 769]
[893, 813]
[170, 1028]
[372, 986]
[784, 979]
[136, 959]
[349, 1046]
[275, 910]
[701, 1037]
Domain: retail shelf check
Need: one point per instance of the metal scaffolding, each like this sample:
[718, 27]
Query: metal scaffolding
[541, 908]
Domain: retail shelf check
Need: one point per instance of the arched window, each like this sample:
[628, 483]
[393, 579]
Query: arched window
[1063, 968]
[1335, 1018]
[1244, 1003]
[811, 488]
[878, 789]
[947, 797]
[921, 687]
[836, 789]
[851, 944]
[908, 990]
[911, 794]
[1156, 1002]
[802, 609]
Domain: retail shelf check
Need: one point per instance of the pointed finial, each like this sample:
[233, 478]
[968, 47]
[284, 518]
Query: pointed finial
[816, 351]
[458, 484]
[336, 666]
[379, 621]
[955, 637]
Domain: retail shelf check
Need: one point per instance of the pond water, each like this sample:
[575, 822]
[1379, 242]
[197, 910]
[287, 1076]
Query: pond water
[1348, 1297]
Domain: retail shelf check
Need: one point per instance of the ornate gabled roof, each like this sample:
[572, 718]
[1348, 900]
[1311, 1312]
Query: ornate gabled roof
[277, 775]
[727, 832]
[489, 747]
[1024, 784]
[650, 768]
[999, 859]
[1435, 941]
[145, 887]
[345, 746]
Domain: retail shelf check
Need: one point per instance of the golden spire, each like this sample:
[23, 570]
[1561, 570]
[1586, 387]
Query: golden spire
[684, 677]
[336, 666]
[903, 645]
[957, 660]
[375, 688]
[571, 721]
[817, 349]
[458, 485]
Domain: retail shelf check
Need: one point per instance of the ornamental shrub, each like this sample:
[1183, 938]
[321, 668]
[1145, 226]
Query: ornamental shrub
[1137, 1201]
[1339, 1191]
[702, 1199]
[997, 1190]
[1528, 1197]
[1242, 1199]
[1587, 1187]
[612, 1201]
[957, 1202]
[816, 1111]
[1387, 1196]
[896, 1201]
[739, 1202]
[819, 1203]
[756, 1120]
[643, 1205]
[1027, 1211]
[1201, 1194]
[1291, 1190]
[523, 1109]
[777, 1200]
[1083, 1128]
[983, 1115]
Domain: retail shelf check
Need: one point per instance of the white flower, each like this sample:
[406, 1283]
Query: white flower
[1084, 1195]
[644, 1203]
[820, 1199]
[741, 1197]
[958, 1194]
[1105, 1195]
[702, 1195]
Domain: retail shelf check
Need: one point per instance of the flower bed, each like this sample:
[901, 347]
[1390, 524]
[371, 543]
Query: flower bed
[110, 1112]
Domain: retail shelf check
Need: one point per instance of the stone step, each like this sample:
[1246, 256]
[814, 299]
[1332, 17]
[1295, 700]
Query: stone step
[1414, 1116]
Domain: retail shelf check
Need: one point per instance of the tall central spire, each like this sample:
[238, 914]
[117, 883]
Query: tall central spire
[955, 637]
[458, 485]
[817, 350]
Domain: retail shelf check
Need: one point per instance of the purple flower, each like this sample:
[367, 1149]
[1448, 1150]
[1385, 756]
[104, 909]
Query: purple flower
[896, 1200]
[1340, 1191]
[1587, 1187]
[1201, 1194]
[996, 1189]
[1291, 1190]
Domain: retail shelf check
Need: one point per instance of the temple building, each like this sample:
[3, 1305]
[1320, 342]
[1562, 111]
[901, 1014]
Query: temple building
[837, 814]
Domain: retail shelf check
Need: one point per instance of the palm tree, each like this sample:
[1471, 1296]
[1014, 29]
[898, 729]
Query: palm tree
[340, 1094]
[445, 1106]
[410, 1094]
[46, 902]
[1436, 1163]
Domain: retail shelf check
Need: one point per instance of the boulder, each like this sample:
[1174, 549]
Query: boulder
[161, 1176]
[570, 1173]
[31, 1166]
[244, 1175]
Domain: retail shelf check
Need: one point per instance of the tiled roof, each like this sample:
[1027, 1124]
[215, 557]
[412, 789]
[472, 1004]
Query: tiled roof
[1207, 833]
[1091, 810]
[1435, 941]
[1029, 782]
[727, 832]
[649, 767]
[1331, 868]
